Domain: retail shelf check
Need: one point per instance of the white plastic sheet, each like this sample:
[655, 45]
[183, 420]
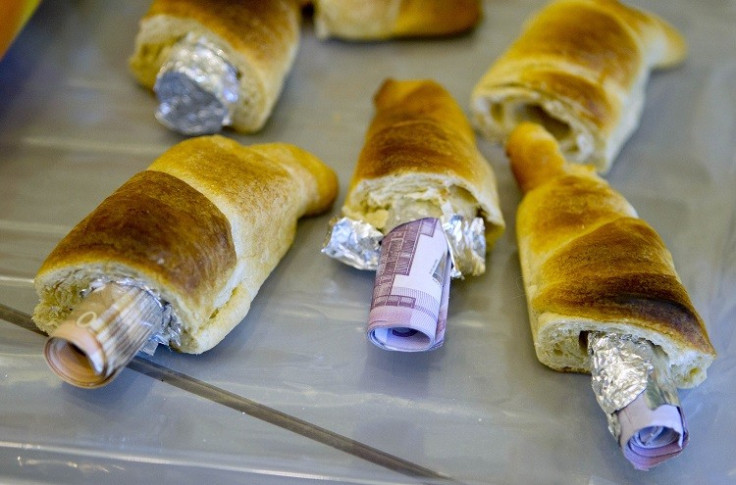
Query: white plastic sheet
[74, 126]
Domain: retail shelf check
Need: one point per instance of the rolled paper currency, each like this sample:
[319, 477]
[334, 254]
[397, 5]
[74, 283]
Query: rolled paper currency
[632, 384]
[197, 88]
[651, 436]
[103, 334]
[410, 297]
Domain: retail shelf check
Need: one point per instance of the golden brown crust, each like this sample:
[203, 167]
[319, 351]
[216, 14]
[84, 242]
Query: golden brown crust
[621, 271]
[418, 127]
[318, 180]
[589, 263]
[584, 35]
[426, 18]
[154, 217]
[579, 67]
[203, 227]
[259, 37]
[420, 138]
[385, 19]
[257, 27]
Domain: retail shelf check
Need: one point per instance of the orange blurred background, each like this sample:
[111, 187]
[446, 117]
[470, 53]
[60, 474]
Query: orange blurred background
[13, 16]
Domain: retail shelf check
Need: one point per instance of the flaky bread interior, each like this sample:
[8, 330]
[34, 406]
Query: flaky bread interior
[579, 68]
[420, 150]
[260, 38]
[363, 20]
[590, 264]
[202, 227]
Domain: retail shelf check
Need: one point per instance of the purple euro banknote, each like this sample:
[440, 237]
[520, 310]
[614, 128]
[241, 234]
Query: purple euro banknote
[411, 292]
[651, 436]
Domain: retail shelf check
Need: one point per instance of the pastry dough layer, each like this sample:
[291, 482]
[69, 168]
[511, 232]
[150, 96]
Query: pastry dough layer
[385, 19]
[203, 227]
[590, 264]
[260, 38]
[579, 68]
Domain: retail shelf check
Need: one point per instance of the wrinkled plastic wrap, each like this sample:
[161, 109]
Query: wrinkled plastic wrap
[74, 126]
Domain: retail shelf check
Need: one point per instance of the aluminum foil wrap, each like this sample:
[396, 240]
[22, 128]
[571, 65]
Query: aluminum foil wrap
[622, 368]
[357, 243]
[167, 332]
[467, 240]
[197, 87]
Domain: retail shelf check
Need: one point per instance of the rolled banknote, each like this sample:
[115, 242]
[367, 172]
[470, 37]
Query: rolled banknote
[410, 297]
[651, 436]
[103, 333]
[632, 384]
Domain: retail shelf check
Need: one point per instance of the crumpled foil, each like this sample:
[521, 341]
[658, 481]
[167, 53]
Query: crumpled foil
[622, 367]
[167, 332]
[358, 244]
[197, 87]
[355, 243]
[467, 241]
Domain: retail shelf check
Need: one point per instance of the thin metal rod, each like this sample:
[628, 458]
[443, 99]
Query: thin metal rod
[259, 411]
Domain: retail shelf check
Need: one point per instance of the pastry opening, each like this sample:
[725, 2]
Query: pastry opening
[583, 341]
[515, 113]
[535, 113]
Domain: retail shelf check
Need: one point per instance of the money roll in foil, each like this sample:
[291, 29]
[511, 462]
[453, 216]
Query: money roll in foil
[215, 63]
[197, 88]
[103, 333]
[593, 269]
[632, 384]
[177, 238]
[419, 161]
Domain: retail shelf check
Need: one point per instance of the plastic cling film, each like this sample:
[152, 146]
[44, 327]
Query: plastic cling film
[197, 88]
[167, 333]
[633, 386]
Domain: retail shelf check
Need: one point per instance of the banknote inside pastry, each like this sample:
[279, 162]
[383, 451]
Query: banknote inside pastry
[187, 242]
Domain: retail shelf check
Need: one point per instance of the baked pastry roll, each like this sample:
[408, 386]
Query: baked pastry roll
[260, 39]
[385, 19]
[420, 158]
[202, 228]
[579, 68]
[590, 264]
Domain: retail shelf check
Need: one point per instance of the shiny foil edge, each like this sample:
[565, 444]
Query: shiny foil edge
[204, 63]
[622, 368]
[358, 244]
[167, 332]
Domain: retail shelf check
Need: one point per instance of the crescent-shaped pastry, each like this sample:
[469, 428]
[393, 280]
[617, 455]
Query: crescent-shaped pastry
[420, 149]
[202, 227]
[579, 68]
[590, 264]
[260, 39]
